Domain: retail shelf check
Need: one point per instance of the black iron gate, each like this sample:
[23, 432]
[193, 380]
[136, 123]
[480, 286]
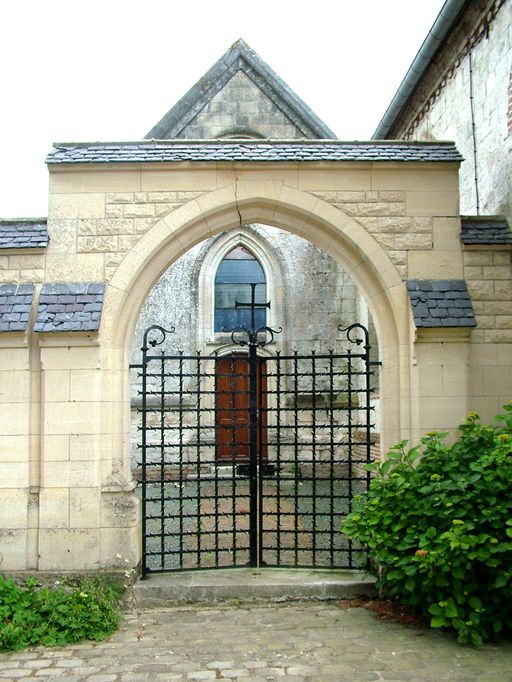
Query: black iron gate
[249, 460]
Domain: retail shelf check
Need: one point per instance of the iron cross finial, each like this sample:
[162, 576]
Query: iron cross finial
[253, 306]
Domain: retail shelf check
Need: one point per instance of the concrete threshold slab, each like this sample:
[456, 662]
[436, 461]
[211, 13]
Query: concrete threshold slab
[251, 584]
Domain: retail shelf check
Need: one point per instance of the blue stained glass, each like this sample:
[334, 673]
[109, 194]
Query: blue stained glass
[227, 320]
[226, 295]
[232, 280]
[238, 271]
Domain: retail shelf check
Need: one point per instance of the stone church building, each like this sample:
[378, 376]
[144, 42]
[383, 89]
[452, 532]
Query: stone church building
[301, 303]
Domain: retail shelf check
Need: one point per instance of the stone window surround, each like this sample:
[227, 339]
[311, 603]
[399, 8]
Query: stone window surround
[264, 253]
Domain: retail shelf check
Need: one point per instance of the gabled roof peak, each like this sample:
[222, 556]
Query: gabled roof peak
[239, 67]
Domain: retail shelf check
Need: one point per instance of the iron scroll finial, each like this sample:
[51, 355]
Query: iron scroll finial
[353, 329]
[268, 330]
[250, 336]
[158, 339]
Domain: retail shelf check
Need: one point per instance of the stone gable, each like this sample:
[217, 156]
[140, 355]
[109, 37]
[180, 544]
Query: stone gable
[241, 108]
[248, 96]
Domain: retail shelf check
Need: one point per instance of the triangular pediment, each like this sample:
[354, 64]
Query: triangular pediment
[240, 96]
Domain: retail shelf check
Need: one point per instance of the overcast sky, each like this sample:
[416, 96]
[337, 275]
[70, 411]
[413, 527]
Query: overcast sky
[75, 70]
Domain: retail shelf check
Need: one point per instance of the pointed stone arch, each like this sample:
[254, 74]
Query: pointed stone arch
[271, 203]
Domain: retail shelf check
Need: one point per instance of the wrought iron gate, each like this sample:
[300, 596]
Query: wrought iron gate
[249, 460]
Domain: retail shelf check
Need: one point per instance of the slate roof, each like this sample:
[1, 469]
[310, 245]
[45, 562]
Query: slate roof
[15, 304]
[441, 303]
[30, 233]
[486, 230]
[222, 150]
[240, 57]
[70, 307]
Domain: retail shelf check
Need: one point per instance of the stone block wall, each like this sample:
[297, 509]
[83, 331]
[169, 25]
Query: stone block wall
[488, 272]
[241, 107]
[64, 398]
[19, 266]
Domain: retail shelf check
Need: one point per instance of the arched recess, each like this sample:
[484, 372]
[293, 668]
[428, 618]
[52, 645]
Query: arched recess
[262, 251]
[271, 203]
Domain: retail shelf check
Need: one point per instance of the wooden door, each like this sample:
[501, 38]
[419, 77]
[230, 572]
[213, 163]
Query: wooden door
[232, 409]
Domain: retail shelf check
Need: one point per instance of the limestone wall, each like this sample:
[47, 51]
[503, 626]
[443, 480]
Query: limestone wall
[241, 107]
[441, 108]
[65, 398]
[489, 275]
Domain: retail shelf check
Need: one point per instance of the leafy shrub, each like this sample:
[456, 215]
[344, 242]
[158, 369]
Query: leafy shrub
[56, 616]
[437, 522]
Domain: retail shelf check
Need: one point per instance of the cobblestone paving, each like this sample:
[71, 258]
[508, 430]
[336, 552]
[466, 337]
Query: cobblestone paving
[301, 642]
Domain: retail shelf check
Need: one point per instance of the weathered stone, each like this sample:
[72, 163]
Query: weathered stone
[398, 257]
[161, 197]
[503, 321]
[498, 336]
[472, 272]
[413, 241]
[139, 210]
[481, 290]
[478, 258]
[499, 258]
[114, 226]
[125, 242]
[119, 197]
[503, 290]
[114, 211]
[164, 209]
[497, 272]
[97, 244]
[498, 307]
[423, 225]
[395, 225]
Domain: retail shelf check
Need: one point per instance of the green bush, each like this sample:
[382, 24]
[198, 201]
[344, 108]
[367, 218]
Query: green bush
[56, 616]
[437, 523]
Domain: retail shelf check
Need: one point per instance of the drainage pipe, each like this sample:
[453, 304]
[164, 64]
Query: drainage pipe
[442, 25]
[473, 129]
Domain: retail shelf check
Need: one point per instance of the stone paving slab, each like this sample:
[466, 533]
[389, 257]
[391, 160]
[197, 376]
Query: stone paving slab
[302, 642]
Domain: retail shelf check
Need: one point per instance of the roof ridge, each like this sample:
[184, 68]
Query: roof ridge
[258, 142]
[10, 221]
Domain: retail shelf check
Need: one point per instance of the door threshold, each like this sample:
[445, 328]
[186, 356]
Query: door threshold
[235, 585]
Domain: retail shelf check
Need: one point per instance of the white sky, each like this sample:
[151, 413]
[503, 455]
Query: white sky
[89, 70]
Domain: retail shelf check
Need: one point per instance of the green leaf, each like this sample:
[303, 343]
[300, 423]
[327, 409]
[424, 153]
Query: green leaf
[451, 609]
[437, 622]
[500, 581]
[475, 603]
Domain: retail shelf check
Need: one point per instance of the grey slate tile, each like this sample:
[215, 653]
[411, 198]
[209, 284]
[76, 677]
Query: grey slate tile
[15, 305]
[486, 230]
[67, 307]
[223, 150]
[441, 303]
[23, 234]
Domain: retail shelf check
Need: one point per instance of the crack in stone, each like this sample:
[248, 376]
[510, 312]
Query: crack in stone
[236, 201]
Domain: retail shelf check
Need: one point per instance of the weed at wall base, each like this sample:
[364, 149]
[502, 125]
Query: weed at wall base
[55, 616]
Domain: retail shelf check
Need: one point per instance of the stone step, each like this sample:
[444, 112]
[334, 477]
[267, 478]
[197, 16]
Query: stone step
[250, 584]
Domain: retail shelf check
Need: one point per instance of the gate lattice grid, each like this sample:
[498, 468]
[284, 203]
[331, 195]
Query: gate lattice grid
[239, 471]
